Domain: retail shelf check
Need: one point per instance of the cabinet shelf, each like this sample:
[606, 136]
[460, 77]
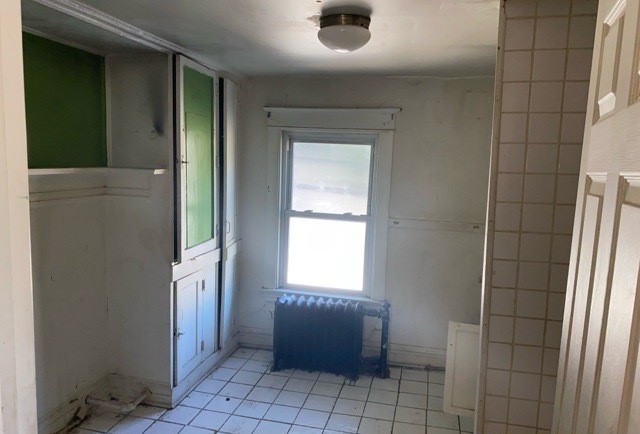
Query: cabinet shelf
[58, 184]
[94, 171]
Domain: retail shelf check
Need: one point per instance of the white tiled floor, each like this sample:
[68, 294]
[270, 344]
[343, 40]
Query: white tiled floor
[244, 396]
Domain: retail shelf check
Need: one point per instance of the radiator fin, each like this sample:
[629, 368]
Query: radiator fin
[318, 334]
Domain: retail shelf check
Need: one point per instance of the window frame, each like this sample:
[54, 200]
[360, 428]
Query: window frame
[380, 122]
[286, 213]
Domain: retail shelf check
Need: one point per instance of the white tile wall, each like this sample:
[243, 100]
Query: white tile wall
[545, 72]
[551, 33]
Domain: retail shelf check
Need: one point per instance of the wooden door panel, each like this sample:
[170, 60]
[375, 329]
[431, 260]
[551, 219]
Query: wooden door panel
[187, 340]
[209, 310]
[579, 321]
[598, 390]
[607, 189]
[631, 260]
[621, 323]
[610, 50]
[635, 70]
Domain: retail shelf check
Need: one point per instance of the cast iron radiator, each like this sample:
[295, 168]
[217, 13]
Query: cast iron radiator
[318, 334]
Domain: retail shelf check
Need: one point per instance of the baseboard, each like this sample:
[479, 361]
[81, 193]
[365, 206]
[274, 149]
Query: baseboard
[400, 355]
[128, 388]
[256, 338]
[201, 372]
[409, 355]
[58, 418]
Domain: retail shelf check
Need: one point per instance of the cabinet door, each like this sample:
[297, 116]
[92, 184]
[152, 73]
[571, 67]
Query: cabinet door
[209, 311]
[187, 329]
[197, 160]
[229, 110]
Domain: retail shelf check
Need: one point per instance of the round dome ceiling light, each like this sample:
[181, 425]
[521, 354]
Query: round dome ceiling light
[344, 32]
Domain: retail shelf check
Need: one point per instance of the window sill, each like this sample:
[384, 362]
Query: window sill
[341, 295]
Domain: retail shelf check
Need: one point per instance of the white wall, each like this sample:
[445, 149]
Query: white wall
[140, 229]
[101, 259]
[70, 298]
[438, 199]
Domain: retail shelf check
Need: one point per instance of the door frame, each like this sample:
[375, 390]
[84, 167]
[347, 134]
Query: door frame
[18, 412]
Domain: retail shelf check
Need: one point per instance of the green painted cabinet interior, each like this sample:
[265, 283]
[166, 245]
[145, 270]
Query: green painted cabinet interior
[199, 170]
[65, 105]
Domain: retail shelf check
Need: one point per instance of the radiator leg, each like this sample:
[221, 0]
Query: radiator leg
[384, 341]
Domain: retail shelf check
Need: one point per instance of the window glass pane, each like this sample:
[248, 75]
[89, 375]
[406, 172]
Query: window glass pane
[326, 253]
[330, 178]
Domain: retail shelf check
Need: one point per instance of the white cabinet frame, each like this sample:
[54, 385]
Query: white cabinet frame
[184, 253]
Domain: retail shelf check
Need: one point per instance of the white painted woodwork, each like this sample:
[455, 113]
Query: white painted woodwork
[376, 124]
[230, 160]
[74, 23]
[584, 287]
[187, 336]
[209, 312]
[597, 388]
[333, 118]
[199, 263]
[17, 358]
[461, 374]
[196, 320]
[187, 253]
[230, 208]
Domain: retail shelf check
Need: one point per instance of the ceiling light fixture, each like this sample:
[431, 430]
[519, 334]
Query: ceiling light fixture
[344, 32]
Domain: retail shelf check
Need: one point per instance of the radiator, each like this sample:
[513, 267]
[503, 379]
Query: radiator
[318, 334]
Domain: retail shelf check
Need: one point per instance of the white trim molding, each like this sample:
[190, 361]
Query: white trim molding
[332, 118]
[60, 186]
[282, 121]
[399, 354]
[18, 412]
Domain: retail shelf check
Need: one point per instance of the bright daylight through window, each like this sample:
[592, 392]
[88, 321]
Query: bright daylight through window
[327, 215]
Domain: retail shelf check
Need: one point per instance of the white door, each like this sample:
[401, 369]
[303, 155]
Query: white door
[209, 311]
[187, 329]
[598, 386]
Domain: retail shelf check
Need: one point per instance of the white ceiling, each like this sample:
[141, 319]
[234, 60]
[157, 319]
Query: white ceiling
[266, 37]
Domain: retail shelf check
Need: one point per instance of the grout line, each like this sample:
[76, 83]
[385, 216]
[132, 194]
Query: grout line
[522, 198]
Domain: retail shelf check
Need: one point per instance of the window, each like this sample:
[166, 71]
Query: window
[327, 191]
[326, 217]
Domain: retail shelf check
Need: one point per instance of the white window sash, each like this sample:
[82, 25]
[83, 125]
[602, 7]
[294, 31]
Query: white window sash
[377, 123]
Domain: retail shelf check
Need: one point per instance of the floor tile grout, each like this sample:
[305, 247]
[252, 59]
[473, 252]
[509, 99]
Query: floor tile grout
[412, 384]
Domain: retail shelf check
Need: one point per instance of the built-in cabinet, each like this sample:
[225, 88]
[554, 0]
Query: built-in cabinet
[197, 286]
[196, 320]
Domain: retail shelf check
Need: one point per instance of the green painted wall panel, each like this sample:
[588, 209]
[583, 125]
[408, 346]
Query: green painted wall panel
[65, 105]
[198, 106]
